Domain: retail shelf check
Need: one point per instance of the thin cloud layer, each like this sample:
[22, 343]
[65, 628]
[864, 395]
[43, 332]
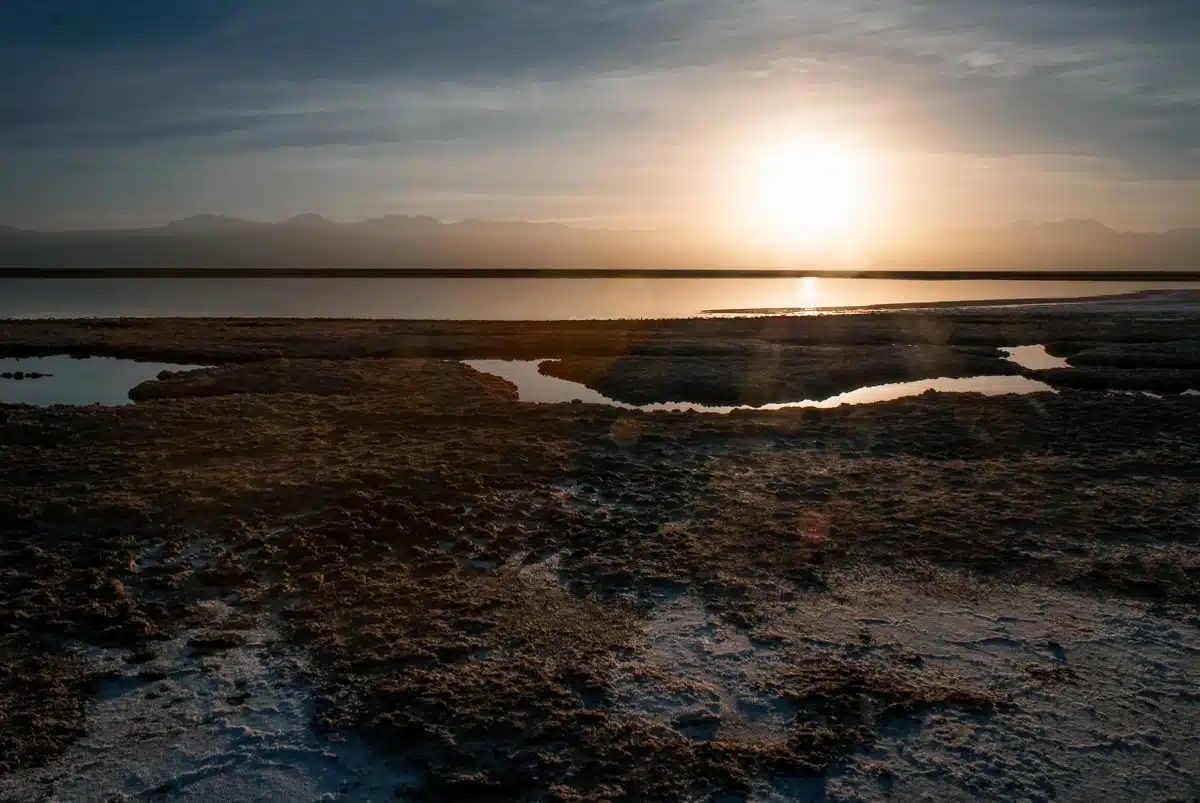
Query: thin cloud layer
[131, 101]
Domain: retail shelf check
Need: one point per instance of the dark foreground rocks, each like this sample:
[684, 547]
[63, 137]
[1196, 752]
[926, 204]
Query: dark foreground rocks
[493, 594]
[1171, 366]
[1153, 380]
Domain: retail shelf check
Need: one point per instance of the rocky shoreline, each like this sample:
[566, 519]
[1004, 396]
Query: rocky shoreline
[504, 601]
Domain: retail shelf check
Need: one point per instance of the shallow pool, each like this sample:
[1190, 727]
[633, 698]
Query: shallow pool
[534, 386]
[67, 380]
[1035, 358]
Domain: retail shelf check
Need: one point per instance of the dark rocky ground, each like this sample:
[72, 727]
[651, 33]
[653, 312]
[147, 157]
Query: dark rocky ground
[1171, 366]
[472, 578]
[766, 375]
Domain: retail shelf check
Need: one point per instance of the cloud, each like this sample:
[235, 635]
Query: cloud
[628, 81]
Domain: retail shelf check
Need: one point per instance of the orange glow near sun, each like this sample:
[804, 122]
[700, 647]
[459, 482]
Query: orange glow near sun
[805, 193]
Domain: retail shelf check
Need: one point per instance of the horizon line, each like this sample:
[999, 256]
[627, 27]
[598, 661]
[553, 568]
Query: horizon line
[18, 272]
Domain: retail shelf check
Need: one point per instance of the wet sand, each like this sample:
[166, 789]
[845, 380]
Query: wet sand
[341, 564]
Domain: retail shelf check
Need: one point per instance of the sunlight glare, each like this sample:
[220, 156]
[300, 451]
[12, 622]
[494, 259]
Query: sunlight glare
[808, 292]
[804, 193]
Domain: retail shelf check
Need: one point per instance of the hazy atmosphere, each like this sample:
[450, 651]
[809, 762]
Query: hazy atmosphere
[626, 113]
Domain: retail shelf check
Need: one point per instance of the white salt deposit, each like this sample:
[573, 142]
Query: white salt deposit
[1106, 694]
[226, 725]
[1105, 702]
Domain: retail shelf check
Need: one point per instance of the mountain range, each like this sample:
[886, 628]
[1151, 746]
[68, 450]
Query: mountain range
[397, 241]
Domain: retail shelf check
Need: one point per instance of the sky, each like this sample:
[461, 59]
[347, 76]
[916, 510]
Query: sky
[606, 113]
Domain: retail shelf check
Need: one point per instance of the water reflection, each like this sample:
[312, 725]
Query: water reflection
[533, 386]
[66, 380]
[497, 299]
[1035, 358]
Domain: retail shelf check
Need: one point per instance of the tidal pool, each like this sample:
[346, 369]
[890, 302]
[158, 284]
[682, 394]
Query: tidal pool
[67, 380]
[534, 386]
[1035, 358]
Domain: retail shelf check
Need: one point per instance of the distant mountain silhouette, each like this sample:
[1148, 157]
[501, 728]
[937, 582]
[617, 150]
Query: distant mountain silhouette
[1069, 227]
[212, 223]
[1057, 245]
[399, 223]
[307, 221]
[398, 241]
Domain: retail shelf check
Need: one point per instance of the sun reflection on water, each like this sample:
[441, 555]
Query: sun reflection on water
[807, 292]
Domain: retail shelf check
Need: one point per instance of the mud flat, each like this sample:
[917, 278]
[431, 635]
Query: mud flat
[358, 576]
[764, 376]
[1143, 318]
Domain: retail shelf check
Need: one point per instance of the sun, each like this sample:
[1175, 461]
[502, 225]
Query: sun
[807, 193]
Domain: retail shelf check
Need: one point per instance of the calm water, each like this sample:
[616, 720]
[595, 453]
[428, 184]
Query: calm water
[497, 299]
[1035, 358]
[101, 380]
[534, 386]
[98, 380]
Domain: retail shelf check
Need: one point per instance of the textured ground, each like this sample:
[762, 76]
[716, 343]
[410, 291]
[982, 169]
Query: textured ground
[768, 375]
[476, 599]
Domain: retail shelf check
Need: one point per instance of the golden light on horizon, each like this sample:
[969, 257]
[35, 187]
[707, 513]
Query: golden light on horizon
[807, 193]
